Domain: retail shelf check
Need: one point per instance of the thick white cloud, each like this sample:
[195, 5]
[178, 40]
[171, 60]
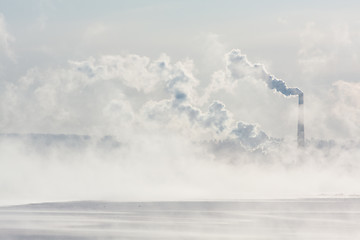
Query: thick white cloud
[105, 94]
[250, 135]
[108, 94]
[178, 144]
[238, 67]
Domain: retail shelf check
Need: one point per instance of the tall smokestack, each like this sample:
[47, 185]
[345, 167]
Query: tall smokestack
[301, 130]
[236, 63]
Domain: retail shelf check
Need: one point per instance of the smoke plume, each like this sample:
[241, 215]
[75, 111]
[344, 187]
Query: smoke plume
[240, 67]
[132, 128]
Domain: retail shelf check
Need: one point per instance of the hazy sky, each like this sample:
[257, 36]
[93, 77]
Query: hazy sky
[187, 92]
[309, 44]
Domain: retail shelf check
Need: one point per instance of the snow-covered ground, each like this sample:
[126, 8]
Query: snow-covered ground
[247, 219]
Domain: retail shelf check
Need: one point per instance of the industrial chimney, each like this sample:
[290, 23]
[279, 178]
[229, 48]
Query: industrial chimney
[301, 130]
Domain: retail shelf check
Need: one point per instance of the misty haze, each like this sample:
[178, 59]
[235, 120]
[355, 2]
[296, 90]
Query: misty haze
[179, 120]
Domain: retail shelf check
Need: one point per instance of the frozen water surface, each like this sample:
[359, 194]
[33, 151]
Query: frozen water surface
[247, 219]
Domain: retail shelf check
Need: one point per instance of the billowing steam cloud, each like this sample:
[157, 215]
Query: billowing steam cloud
[115, 94]
[132, 128]
[240, 67]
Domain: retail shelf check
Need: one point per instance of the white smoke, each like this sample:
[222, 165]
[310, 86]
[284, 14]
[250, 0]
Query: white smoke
[239, 67]
[132, 128]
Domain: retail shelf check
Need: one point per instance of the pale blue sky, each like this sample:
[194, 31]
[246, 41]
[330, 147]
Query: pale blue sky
[259, 28]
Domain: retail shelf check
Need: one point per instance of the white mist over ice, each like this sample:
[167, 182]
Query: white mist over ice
[130, 128]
